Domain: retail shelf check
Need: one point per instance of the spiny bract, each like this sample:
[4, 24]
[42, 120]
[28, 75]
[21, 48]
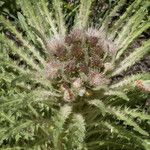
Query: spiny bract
[56, 78]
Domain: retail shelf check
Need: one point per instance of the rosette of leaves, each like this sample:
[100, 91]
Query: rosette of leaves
[56, 82]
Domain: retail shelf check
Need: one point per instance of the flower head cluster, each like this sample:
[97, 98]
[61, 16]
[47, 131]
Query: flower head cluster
[77, 61]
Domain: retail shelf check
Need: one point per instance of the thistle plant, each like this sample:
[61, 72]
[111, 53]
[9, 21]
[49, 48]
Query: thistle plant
[57, 87]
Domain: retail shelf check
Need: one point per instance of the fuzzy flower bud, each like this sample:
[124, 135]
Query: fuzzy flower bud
[52, 68]
[77, 83]
[77, 51]
[97, 79]
[67, 94]
[144, 86]
[71, 66]
[92, 36]
[96, 61]
[108, 67]
[76, 36]
[56, 47]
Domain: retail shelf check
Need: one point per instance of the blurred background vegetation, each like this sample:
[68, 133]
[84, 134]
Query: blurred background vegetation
[10, 7]
[100, 8]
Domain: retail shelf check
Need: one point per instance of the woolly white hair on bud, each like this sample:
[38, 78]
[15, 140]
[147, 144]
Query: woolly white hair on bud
[56, 45]
[97, 79]
[107, 45]
[93, 32]
[51, 69]
[108, 67]
[77, 83]
[77, 34]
